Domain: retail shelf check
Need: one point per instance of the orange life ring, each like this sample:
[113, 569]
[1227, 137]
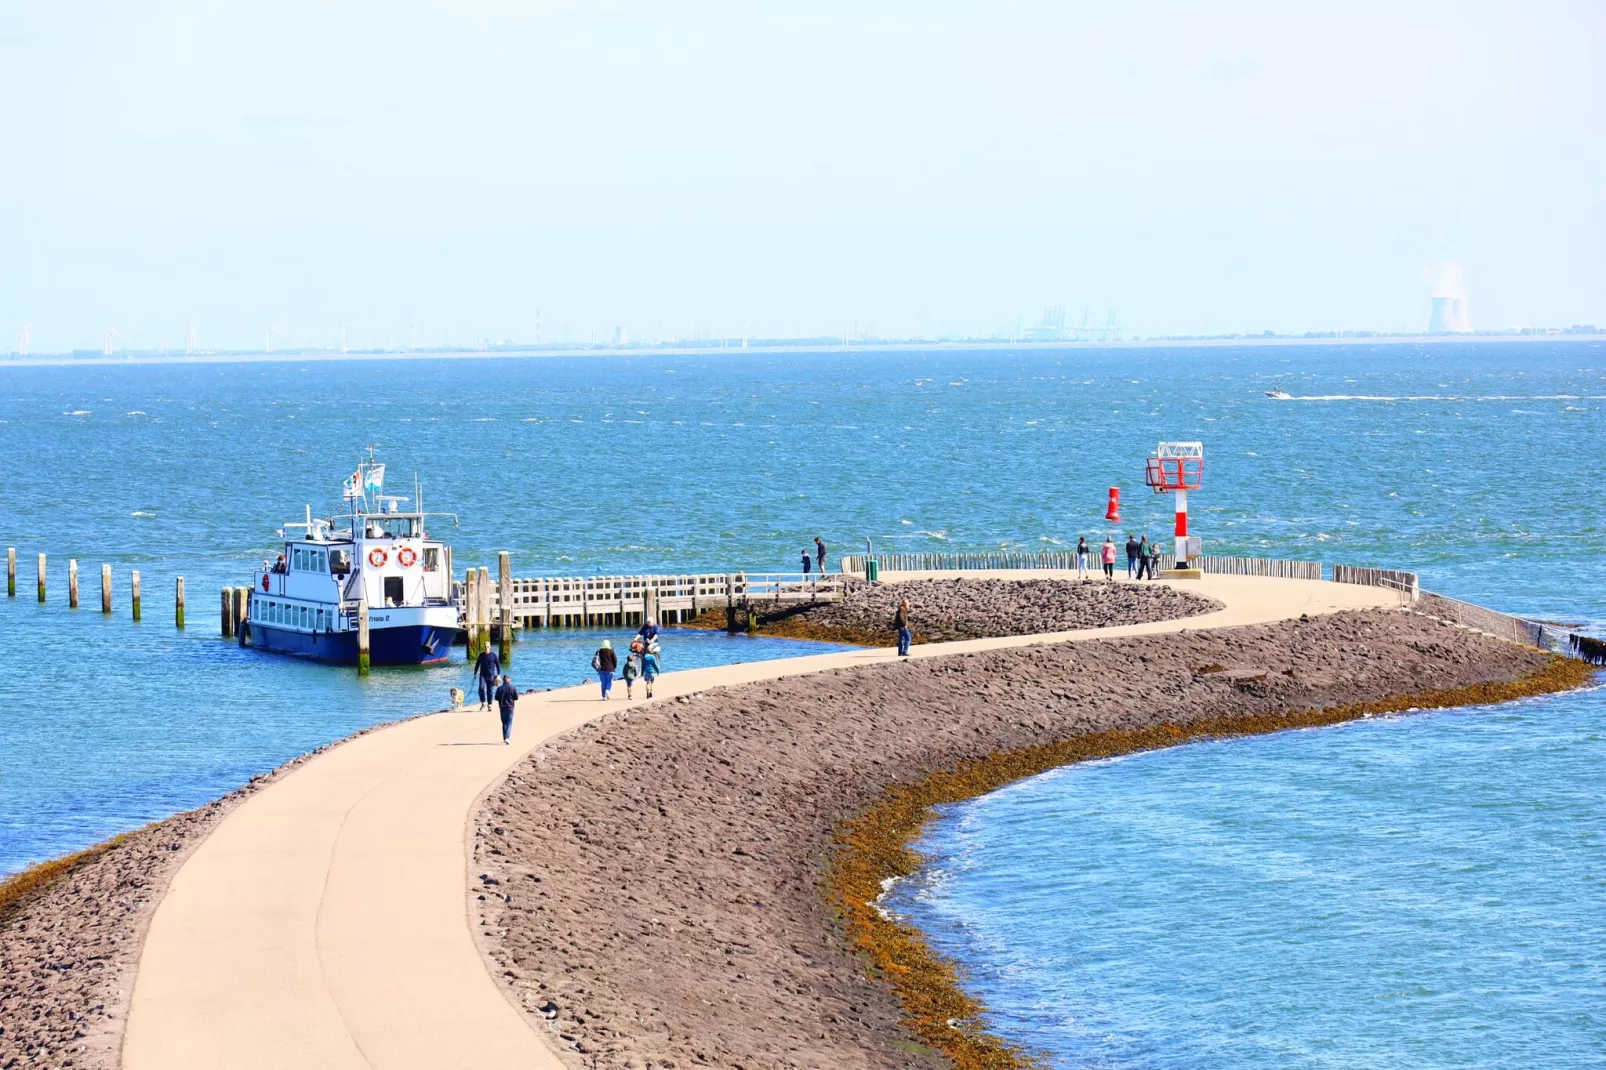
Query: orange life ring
[377, 557]
[264, 581]
[407, 557]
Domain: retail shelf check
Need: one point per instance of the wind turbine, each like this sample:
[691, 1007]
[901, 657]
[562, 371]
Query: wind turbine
[342, 337]
[190, 340]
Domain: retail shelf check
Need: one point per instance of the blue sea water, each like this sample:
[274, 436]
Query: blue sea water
[1475, 464]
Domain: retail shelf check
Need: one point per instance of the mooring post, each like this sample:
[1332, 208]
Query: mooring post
[133, 583]
[504, 590]
[362, 638]
[72, 583]
[485, 608]
[105, 588]
[471, 602]
[11, 572]
[178, 603]
[41, 577]
[226, 621]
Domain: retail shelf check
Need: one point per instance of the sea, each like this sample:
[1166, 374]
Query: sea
[1420, 891]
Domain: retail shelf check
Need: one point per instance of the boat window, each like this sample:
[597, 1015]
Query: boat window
[393, 590]
[304, 616]
[432, 559]
[340, 562]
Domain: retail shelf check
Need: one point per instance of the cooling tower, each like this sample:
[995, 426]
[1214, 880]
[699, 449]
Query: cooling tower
[1449, 316]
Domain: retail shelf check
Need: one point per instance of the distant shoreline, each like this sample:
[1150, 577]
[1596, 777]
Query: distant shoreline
[55, 360]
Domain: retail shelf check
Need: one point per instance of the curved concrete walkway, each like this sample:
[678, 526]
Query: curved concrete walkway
[325, 921]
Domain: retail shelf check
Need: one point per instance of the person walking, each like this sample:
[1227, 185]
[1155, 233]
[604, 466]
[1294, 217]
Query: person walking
[1143, 555]
[605, 661]
[649, 668]
[805, 562]
[507, 697]
[487, 669]
[1109, 557]
[819, 553]
[900, 621]
[629, 673]
[1082, 553]
[1131, 556]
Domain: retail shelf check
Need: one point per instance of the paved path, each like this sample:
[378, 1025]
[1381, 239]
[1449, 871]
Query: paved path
[325, 922]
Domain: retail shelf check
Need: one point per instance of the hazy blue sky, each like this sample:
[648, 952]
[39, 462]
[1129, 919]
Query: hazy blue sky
[919, 168]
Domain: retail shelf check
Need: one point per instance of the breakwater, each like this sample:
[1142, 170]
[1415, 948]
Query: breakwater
[745, 790]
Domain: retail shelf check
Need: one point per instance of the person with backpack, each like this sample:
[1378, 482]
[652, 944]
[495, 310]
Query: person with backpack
[507, 699]
[604, 662]
[629, 673]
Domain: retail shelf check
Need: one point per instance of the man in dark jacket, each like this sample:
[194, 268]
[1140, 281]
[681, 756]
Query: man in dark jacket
[487, 668]
[1131, 556]
[507, 697]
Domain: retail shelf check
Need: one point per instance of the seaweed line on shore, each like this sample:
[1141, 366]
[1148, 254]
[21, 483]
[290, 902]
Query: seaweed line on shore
[877, 845]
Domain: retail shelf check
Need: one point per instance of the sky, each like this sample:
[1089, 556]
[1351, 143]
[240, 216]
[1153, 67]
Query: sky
[534, 171]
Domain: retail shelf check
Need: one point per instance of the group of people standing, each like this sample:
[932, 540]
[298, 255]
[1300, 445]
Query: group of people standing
[1142, 557]
[818, 561]
[640, 663]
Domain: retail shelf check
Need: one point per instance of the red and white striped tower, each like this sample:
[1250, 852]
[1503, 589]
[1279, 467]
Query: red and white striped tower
[1177, 467]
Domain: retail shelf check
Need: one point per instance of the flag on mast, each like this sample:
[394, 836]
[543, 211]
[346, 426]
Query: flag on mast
[376, 478]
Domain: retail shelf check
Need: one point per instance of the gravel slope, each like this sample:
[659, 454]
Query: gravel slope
[648, 885]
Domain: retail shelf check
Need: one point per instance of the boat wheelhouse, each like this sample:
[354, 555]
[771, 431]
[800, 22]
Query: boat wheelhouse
[377, 554]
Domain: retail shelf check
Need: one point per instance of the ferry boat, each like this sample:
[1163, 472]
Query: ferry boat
[377, 553]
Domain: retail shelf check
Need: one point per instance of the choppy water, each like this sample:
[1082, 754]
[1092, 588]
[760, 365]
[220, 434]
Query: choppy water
[1415, 891]
[1474, 464]
[1418, 891]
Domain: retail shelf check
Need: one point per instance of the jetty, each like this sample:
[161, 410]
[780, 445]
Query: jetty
[323, 922]
[608, 601]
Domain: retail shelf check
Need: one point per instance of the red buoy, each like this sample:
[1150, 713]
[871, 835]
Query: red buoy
[1112, 512]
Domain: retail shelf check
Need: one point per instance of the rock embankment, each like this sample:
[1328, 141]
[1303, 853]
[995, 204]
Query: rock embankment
[942, 610]
[650, 885]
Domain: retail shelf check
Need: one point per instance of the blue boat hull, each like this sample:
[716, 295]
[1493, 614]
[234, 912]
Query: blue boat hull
[406, 645]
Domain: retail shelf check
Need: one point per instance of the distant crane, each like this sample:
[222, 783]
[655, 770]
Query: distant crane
[274, 329]
[109, 339]
[342, 337]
